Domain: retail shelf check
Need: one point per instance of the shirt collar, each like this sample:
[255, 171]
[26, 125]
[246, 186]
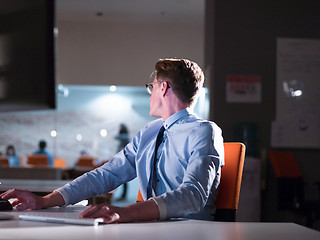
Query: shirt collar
[176, 116]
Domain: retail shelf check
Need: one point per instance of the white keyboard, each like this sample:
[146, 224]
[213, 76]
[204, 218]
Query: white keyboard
[62, 220]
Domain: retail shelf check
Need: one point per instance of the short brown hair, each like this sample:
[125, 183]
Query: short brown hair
[184, 76]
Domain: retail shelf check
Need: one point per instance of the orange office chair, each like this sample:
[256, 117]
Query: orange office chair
[59, 163]
[230, 182]
[290, 187]
[289, 179]
[21, 160]
[4, 161]
[38, 160]
[86, 162]
[284, 164]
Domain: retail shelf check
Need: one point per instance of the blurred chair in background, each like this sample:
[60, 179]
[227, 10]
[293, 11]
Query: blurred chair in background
[59, 163]
[21, 160]
[290, 183]
[4, 161]
[86, 162]
[42, 150]
[38, 160]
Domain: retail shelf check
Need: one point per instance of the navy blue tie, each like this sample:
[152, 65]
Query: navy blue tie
[154, 162]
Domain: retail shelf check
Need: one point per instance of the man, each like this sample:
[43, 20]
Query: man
[181, 181]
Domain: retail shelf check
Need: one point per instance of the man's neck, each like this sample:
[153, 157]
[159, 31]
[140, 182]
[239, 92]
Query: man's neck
[171, 109]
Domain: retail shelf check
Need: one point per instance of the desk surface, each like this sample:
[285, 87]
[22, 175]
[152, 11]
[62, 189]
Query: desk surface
[39, 173]
[32, 185]
[179, 229]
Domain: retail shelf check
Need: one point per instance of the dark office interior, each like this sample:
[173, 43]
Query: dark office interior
[240, 39]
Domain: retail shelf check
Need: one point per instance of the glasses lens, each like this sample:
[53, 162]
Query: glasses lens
[149, 87]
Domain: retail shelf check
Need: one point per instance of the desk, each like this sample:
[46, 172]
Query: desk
[45, 186]
[179, 229]
[31, 173]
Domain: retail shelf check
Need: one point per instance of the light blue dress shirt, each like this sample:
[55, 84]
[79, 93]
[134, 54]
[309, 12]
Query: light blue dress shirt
[188, 167]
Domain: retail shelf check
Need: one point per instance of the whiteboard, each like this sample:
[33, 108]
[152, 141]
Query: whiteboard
[297, 121]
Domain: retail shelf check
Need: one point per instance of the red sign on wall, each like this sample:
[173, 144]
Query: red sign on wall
[243, 89]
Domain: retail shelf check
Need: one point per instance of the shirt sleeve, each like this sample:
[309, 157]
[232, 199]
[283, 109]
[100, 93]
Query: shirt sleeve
[201, 178]
[120, 169]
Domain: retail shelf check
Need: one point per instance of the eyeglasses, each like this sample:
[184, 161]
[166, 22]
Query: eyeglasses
[149, 86]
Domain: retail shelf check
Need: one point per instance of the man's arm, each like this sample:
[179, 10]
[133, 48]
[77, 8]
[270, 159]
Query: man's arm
[27, 200]
[137, 212]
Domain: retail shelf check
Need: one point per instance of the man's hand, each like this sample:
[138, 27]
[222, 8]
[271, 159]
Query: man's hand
[143, 211]
[110, 214]
[27, 200]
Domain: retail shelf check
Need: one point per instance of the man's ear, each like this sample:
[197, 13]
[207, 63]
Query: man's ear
[164, 87]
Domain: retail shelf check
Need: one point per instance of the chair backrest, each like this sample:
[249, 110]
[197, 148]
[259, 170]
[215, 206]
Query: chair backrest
[21, 160]
[86, 162]
[284, 164]
[59, 163]
[4, 161]
[230, 182]
[290, 186]
[38, 160]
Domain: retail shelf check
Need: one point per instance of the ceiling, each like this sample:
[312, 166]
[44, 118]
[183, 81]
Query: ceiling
[188, 11]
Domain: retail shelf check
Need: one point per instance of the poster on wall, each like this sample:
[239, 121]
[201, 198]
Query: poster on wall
[243, 89]
[297, 123]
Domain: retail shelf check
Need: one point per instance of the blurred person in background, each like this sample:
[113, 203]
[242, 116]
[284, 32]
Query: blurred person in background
[123, 137]
[14, 160]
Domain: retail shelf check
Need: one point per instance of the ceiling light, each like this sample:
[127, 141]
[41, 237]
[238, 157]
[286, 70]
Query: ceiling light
[53, 133]
[103, 133]
[112, 88]
[79, 137]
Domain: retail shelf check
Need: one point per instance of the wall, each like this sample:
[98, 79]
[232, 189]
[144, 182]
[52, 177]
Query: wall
[98, 52]
[244, 34]
[78, 120]
[122, 53]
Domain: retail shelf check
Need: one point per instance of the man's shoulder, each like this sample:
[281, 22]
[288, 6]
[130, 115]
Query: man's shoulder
[196, 122]
[154, 124]
[151, 127]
